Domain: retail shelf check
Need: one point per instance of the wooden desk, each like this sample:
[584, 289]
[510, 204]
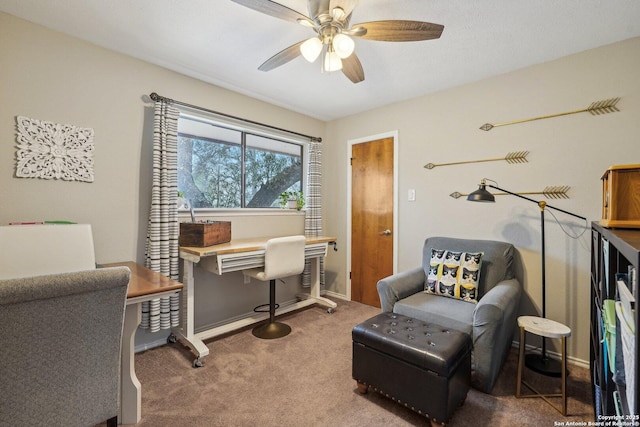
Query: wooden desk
[144, 285]
[240, 255]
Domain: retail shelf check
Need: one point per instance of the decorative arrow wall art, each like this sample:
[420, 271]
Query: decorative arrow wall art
[552, 192]
[596, 108]
[513, 157]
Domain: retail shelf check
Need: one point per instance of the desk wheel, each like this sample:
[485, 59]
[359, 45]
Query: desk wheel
[171, 338]
[331, 310]
[198, 362]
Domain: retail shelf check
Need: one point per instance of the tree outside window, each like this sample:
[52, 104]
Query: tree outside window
[228, 168]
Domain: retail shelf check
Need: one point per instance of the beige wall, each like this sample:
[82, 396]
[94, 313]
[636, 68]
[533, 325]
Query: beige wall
[50, 76]
[572, 150]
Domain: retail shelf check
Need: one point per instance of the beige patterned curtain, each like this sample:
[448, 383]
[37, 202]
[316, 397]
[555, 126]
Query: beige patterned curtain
[161, 252]
[313, 218]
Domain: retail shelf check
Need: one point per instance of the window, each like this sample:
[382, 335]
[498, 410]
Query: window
[227, 167]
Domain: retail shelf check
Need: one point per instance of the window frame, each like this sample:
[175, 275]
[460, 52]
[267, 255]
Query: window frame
[245, 129]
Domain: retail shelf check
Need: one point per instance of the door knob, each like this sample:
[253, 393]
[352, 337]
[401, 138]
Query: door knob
[386, 232]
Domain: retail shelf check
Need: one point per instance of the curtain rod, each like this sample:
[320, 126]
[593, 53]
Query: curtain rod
[155, 97]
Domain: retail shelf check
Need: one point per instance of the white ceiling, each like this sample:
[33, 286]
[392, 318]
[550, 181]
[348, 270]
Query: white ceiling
[223, 43]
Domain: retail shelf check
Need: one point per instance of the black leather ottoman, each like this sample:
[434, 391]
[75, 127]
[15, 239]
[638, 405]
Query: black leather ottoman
[422, 366]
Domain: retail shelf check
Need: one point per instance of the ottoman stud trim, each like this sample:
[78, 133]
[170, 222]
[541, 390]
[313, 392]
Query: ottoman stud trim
[413, 408]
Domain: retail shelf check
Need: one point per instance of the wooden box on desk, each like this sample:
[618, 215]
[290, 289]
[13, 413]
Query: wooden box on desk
[201, 234]
[621, 197]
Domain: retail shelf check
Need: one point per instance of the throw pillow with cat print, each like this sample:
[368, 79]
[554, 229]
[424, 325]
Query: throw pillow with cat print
[454, 274]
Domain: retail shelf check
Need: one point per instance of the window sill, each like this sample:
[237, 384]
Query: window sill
[204, 213]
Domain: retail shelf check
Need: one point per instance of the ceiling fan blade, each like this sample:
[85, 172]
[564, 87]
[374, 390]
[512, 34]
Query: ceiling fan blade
[400, 31]
[317, 8]
[281, 57]
[346, 5]
[352, 68]
[274, 9]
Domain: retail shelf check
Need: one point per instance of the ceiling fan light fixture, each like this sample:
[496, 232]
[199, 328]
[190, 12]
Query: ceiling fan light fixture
[343, 45]
[334, 34]
[338, 13]
[311, 49]
[332, 61]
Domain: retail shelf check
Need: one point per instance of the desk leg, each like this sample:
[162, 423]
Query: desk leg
[314, 292]
[185, 333]
[130, 393]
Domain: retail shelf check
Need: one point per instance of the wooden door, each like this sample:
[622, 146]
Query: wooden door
[372, 205]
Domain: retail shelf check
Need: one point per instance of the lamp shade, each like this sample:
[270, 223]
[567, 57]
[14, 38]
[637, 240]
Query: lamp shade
[332, 62]
[481, 195]
[311, 49]
[338, 13]
[343, 45]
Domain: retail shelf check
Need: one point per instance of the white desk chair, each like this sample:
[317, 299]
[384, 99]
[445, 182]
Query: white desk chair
[284, 256]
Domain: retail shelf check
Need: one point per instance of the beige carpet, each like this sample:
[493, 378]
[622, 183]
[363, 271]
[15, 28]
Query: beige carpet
[305, 379]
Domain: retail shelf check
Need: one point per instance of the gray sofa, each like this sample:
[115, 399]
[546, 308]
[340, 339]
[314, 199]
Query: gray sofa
[490, 322]
[60, 348]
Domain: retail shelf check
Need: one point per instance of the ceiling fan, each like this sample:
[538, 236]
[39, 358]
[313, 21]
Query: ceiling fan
[334, 39]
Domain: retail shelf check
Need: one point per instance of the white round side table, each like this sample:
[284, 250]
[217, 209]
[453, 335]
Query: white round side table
[547, 329]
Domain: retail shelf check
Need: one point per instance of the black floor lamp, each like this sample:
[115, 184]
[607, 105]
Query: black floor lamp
[536, 362]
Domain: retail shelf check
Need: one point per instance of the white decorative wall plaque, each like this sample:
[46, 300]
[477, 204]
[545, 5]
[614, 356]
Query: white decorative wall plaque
[53, 151]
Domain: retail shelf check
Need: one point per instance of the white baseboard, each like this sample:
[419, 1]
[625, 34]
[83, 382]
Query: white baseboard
[335, 295]
[153, 344]
[162, 340]
[557, 356]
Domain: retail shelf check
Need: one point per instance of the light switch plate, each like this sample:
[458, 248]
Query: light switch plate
[411, 195]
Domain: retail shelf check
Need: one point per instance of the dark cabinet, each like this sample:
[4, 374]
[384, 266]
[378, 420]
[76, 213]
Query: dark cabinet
[615, 256]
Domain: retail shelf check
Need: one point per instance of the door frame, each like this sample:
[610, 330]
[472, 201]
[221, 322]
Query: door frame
[350, 143]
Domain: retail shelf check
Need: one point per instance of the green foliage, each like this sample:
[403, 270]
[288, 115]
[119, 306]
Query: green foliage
[210, 173]
[287, 196]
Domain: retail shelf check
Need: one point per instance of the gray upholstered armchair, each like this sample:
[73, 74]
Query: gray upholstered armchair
[490, 322]
[60, 347]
